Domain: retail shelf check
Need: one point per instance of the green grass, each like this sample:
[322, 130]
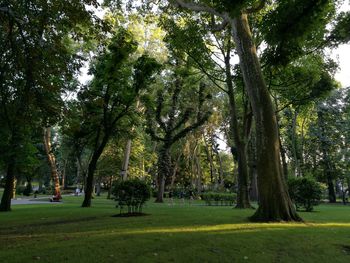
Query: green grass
[180, 233]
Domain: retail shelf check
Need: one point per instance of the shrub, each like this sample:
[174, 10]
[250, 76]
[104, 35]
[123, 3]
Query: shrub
[20, 189]
[214, 198]
[306, 192]
[131, 193]
[28, 190]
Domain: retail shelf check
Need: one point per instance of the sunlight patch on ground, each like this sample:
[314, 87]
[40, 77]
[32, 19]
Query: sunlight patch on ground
[219, 229]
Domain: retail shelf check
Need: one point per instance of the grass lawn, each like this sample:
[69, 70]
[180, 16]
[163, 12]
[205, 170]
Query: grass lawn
[180, 233]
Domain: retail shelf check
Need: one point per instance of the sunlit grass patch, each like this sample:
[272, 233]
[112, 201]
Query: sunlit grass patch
[171, 233]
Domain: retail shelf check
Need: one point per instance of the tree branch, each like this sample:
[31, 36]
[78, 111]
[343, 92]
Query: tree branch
[192, 127]
[256, 8]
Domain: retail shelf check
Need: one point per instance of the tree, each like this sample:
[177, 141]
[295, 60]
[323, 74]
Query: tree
[273, 204]
[205, 49]
[107, 103]
[37, 65]
[52, 161]
[173, 115]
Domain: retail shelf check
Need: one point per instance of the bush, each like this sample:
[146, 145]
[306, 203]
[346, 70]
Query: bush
[131, 193]
[28, 190]
[214, 198]
[20, 189]
[306, 192]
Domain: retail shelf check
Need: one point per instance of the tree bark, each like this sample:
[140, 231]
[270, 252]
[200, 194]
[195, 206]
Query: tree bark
[283, 157]
[327, 165]
[52, 161]
[274, 201]
[174, 172]
[253, 175]
[63, 181]
[8, 191]
[241, 145]
[210, 159]
[110, 183]
[164, 171]
[89, 184]
[124, 171]
[199, 173]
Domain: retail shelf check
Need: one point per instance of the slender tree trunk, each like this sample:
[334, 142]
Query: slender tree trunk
[274, 201]
[52, 161]
[98, 187]
[210, 159]
[110, 183]
[253, 175]
[295, 146]
[221, 170]
[282, 149]
[124, 171]
[63, 181]
[331, 191]
[9, 185]
[174, 172]
[243, 188]
[327, 165]
[89, 186]
[164, 171]
[14, 188]
[199, 173]
[283, 157]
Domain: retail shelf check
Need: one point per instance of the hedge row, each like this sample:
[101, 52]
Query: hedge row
[213, 198]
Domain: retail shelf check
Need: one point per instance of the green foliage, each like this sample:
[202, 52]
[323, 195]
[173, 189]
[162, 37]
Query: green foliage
[306, 192]
[215, 198]
[131, 193]
[340, 33]
[20, 189]
[293, 25]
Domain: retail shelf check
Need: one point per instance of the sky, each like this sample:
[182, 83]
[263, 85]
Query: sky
[342, 55]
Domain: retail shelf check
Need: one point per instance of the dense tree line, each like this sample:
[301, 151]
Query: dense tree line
[170, 81]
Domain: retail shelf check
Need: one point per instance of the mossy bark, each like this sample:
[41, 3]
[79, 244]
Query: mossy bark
[164, 171]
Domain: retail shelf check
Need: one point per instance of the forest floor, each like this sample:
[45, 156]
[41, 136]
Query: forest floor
[181, 232]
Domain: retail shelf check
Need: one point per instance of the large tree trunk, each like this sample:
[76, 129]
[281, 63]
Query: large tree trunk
[274, 201]
[52, 161]
[9, 185]
[164, 171]
[241, 145]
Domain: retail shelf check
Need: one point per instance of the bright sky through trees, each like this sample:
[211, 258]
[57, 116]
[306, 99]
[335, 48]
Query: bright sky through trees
[340, 54]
